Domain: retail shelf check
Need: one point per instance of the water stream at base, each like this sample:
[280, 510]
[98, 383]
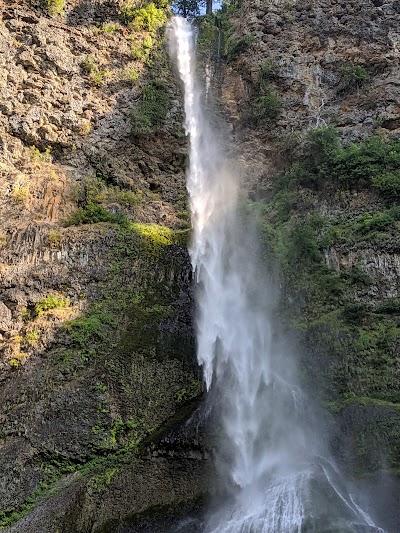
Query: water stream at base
[275, 473]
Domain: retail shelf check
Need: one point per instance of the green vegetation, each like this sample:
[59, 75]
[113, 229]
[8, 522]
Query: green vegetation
[351, 340]
[150, 112]
[267, 106]
[110, 28]
[96, 74]
[268, 71]
[93, 213]
[351, 77]
[51, 301]
[90, 328]
[40, 157]
[388, 185]
[53, 7]
[371, 164]
[236, 47]
[149, 17]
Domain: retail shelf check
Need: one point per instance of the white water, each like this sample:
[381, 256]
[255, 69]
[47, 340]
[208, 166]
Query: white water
[269, 458]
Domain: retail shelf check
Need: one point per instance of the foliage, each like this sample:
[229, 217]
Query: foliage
[53, 7]
[51, 301]
[109, 28]
[322, 144]
[267, 106]
[40, 157]
[97, 74]
[236, 47]
[131, 74]
[93, 213]
[20, 191]
[91, 327]
[388, 185]
[371, 163]
[151, 111]
[268, 70]
[351, 77]
[147, 18]
[187, 8]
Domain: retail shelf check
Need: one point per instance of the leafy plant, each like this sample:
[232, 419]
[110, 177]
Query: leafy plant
[96, 74]
[236, 47]
[268, 70]
[51, 301]
[267, 106]
[53, 7]
[351, 77]
[388, 185]
[92, 214]
[148, 18]
[152, 109]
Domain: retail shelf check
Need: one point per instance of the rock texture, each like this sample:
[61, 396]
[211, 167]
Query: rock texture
[96, 341]
[309, 54]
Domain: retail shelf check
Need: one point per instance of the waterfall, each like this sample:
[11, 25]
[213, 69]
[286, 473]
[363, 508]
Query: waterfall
[275, 474]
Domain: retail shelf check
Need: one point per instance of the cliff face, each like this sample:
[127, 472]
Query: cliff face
[312, 90]
[97, 350]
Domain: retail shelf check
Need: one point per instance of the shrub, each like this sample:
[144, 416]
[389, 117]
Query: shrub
[50, 302]
[351, 77]
[236, 47]
[151, 111]
[139, 52]
[267, 106]
[109, 28]
[93, 213]
[388, 185]
[268, 70]
[131, 74]
[148, 18]
[20, 192]
[40, 157]
[322, 144]
[53, 7]
[96, 74]
[90, 327]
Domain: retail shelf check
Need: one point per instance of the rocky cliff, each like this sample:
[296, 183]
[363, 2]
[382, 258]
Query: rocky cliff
[312, 90]
[97, 351]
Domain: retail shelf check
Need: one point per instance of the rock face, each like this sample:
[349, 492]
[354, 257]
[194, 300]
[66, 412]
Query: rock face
[309, 68]
[96, 342]
[97, 365]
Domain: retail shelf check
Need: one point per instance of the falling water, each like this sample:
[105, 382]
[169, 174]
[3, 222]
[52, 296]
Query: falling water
[274, 473]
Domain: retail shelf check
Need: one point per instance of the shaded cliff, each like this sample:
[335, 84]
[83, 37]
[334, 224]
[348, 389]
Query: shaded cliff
[313, 93]
[97, 351]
